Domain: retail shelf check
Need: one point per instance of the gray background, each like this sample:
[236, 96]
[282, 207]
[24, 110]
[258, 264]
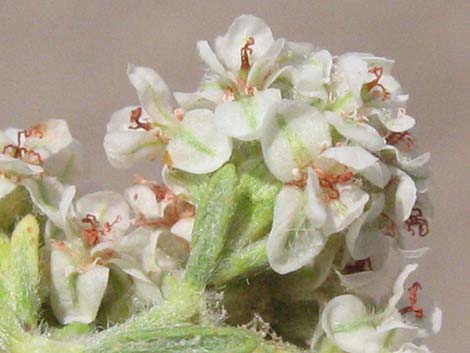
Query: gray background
[68, 59]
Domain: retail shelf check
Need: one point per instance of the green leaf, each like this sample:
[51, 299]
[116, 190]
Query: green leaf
[13, 206]
[190, 339]
[24, 270]
[213, 217]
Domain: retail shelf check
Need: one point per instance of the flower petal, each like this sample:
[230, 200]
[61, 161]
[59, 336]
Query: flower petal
[292, 242]
[294, 138]
[108, 207]
[124, 146]
[51, 197]
[405, 196]
[358, 132]
[75, 296]
[347, 324]
[378, 174]
[343, 211]
[144, 202]
[198, 147]
[244, 119]
[210, 59]
[354, 157]
[154, 95]
[54, 135]
[228, 47]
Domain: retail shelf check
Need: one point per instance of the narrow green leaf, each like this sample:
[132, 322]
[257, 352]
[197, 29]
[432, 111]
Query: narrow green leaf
[212, 221]
[24, 270]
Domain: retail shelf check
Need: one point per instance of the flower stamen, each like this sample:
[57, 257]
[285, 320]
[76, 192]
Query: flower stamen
[416, 223]
[413, 298]
[378, 73]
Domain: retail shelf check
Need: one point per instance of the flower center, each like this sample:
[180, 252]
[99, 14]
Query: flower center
[398, 138]
[95, 230]
[245, 53]
[137, 123]
[329, 182]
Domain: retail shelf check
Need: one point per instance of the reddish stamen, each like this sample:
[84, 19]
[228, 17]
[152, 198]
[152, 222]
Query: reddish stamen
[378, 72]
[358, 266]
[245, 53]
[417, 223]
[136, 124]
[20, 152]
[413, 298]
[329, 183]
[92, 235]
[395, 138]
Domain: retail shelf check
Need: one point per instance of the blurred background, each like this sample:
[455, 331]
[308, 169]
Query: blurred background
[67, 59]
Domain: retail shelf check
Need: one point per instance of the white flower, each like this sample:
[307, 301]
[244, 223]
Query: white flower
[350, 325]
[188, 141]
[330, 202]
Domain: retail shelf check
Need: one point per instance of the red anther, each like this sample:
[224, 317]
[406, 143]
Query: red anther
[378, 72]
[20, 151]
[395, 138]
[179, 114]
[416, 223]
[358, 266]
[245, 53]
[413, 298]
[229, 96]
[108, 226]
[329, 183]
[136, 124]
[92, 235]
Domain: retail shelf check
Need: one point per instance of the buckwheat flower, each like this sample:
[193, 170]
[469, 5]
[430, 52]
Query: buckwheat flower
[77, 282]
[157, 206]
[32, 158]
[303, 75]
[350, 325]
[156, 129]
[245, 57]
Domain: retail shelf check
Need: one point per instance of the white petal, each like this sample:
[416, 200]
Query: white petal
[405, 196]
[177, 186]
[343, 211]
[75, 297]
[262, 68]
[198, 147]
[51, 197]
[244, 119]
[55, 136]
[124, 146]
[353, 73]
[396, 122]
[6, 187]
[154, 95]
[398, 287]
[411, 348]
[361, 242]
[353, 157]
[292, 242]
[208, 56]
[294, 138]
[358, 132]
[18, 167]
[107, 207]
[183, 228]
[315, 206]
[347, 324]
[228, 47]
[66, 164]
[378, 174]
[144, 202]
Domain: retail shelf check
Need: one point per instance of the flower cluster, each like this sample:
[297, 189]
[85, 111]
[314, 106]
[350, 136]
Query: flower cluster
[321, 144]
